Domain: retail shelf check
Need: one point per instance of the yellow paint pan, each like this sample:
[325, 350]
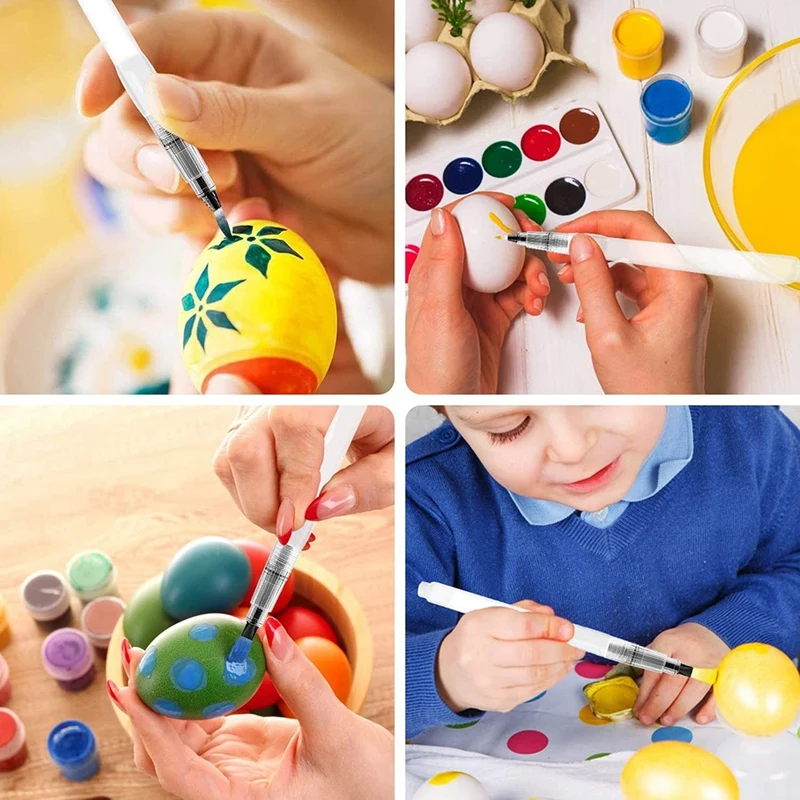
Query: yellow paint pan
[612, 698]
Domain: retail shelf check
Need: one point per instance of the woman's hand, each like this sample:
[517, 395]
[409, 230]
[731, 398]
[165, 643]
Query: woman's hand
[662, 349]
[328, 751]
[270, 458]
[275, 116]
[454, 335]
[668, 698]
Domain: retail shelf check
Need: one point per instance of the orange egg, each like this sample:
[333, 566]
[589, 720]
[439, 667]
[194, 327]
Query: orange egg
[331, 661]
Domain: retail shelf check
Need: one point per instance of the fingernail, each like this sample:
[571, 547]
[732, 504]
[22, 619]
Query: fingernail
[331, 504]
[223, 383]
[538, 306]
[563, 270]
[438, 222]
[645, 721]
[666, 720]
[174, 98]
[126, 654]
[285, 521]
[113, 693]
[580, 248]
[702, 720]
[155, 165]
[544, 280]
[278, 640]
[565, 630]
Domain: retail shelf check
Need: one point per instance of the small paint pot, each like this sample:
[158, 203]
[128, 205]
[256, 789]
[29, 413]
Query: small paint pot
[47, 597]
[721, 34]
[666, 104]
[92, 574]
[68, 657]
[98, 620]
[5, 682]
[72, 747]
[5, 625]
[13, 745]
[638, 36]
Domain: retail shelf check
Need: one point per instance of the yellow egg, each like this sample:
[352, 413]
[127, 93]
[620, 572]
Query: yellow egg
[757, 690]
[451, 786]
[260, 306]
[677, 771]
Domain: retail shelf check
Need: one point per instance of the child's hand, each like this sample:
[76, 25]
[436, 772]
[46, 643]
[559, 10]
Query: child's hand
[270, 458]
[668, 698]
[454, 334]
[662, 349]
[496, 658]
[275, 116]
[327, 752]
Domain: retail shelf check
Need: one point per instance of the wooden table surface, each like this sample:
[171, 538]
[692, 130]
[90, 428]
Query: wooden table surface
[754, 344]
[138, 484]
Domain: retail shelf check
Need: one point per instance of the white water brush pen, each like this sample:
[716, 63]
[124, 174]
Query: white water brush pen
[763, 267]
[134, 70]
[591, 641]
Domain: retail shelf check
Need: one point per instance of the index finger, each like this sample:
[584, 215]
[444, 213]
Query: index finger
[508, 625]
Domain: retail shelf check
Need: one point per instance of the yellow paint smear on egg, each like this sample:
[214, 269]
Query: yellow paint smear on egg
[443, 778]
[765, 183]
[500, 224]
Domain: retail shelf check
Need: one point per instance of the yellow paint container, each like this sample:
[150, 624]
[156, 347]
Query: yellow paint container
[639, 38]
[612, 698]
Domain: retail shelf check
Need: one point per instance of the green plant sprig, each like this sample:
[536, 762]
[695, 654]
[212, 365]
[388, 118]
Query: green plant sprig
[453, 13]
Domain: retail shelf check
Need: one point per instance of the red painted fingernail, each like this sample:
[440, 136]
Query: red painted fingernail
[113, 693]
[284, 539]
[285, 520]
[126, 654]
[332, 504]
[312, 538]
[307, 546]
[278, 640]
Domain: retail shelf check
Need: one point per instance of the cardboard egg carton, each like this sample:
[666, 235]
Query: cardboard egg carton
[549, 17]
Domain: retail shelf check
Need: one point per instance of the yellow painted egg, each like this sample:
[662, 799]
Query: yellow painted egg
[451, 786]
[757, 690]
[259, 305]
[673, 770]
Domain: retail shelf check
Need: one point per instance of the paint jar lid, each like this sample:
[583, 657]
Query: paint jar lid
[67, 654]
[12, 734]
[100, 617]
[70, 743]
[721, 29]
[662, 109]
[46, 595]
[638, 33]
[90, 571]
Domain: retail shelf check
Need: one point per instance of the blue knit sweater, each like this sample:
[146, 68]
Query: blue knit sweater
[719, 545]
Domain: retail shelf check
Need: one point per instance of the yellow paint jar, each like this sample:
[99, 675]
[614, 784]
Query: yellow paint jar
[639, 38]
[5, 625]
[612, 698]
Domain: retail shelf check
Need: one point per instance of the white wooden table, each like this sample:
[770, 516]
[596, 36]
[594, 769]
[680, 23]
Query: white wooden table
[754, 344]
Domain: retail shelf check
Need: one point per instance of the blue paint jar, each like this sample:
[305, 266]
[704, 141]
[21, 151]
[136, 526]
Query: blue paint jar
[72, 747]
[666, 104]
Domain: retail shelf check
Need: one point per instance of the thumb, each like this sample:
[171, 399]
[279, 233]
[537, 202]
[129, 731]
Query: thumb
[595, 285]
[440, 263]
[299, 683]
[222, 116]
[225, 383]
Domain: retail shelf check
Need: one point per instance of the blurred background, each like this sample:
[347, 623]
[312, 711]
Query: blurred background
[88, 303]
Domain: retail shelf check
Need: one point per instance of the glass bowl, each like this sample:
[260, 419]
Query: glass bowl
[766, 85]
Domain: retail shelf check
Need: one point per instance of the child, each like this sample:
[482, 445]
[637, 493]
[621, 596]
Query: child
[677, 528]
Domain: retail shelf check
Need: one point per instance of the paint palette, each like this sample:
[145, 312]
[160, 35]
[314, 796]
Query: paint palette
[565, 165]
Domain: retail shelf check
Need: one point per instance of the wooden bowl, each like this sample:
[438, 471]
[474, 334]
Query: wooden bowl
[319, 587]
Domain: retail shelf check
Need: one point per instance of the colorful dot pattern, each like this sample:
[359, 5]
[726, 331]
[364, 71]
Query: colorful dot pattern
[540, 143]
[527, 743]
[188, 675]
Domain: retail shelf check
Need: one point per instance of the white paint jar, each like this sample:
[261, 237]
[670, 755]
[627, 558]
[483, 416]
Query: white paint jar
[721, 35]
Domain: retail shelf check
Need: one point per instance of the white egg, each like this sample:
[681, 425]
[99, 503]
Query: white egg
[482, 8]
[507, 51]
[422, 23]
[451, 786]
[491, 264]
[438, 80]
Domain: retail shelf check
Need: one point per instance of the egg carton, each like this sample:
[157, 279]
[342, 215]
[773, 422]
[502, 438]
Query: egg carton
[549, 17]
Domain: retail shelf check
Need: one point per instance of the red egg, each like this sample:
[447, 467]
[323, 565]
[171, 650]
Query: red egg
[302, 622]
[258, 555]
[331, 661]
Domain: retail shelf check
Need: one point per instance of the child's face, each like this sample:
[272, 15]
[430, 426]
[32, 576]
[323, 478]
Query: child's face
[584, 457]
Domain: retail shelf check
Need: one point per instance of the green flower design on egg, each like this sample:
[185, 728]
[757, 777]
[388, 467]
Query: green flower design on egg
[261, 243]
[183, 673]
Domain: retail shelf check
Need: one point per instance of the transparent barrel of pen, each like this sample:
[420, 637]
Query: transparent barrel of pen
[284, 556]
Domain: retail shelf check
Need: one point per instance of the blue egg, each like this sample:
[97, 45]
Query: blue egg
[206, 576]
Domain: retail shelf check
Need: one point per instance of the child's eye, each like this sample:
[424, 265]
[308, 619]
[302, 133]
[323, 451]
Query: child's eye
[509, 436]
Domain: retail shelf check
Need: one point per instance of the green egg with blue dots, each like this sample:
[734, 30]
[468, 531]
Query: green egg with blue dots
[184, 673]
